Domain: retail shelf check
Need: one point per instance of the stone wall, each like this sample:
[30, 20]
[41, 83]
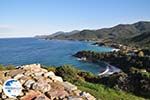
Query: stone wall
[39, 84]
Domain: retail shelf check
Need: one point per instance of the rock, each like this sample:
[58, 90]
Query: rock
[43, 79]
[41, 86]
[32, 67]
[39, 73]
[3, 96]
[56, 78]
[49, 74]
[57, 90]
[30, 95]
[1, 88]
[77, 92]
[88, 96]
[41, 97]
[57, 86]
[3, 79]
[75, 98]
[11, 99]
[18, 76]
[53, 94]
[29, 83]
[69, 87]
[21, 94]
[44, 70]
[13, 73]
[28, 73]
[24, 79]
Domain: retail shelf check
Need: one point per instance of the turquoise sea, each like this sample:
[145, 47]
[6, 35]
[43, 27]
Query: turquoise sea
[19, 51]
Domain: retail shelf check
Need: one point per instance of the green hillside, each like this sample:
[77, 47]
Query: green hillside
[136, 33]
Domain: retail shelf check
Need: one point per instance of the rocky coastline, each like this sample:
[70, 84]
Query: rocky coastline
[41, 84]
[135, 69]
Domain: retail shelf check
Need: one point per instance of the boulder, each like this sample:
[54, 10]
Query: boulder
[11, 99]
[88, 96]
[56, 78]
[18, 76]
[42, 79]
[28, 73]
[49, 74]
[69, 87]
[30, 95]
[53, 94]
[77, 92]
[15, 72]
[1, 88]
[3, 96]
[38, 73]
[32, 67]
[41, 86]
[44, 70]
[57, 86]
[41, 97]
[74, 98]
[29, 83]
[23, 79]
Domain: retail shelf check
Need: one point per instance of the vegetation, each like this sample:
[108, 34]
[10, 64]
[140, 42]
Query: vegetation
[8, 67]
[50, 68]
[136, 34]
[119, 59]
[91, 83]
[100, 91]
[135, 76]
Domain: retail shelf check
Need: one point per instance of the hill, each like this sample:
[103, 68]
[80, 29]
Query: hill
[137, 33]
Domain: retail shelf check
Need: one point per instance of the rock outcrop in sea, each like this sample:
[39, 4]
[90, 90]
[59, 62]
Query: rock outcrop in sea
[41, 84]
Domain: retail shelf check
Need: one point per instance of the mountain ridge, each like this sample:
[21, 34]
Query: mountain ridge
[119, 33]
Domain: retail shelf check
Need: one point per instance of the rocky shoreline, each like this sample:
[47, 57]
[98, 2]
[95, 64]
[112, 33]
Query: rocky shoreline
[41, 84]
[135, 69]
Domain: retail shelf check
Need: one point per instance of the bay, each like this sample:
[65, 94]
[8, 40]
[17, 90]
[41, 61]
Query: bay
[20, 51]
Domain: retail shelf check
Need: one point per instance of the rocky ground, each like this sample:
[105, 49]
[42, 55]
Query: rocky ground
[40, 84]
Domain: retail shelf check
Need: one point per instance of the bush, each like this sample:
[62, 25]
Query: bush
[68, 73]
[50, 68]
[2, 67]
[8, 67]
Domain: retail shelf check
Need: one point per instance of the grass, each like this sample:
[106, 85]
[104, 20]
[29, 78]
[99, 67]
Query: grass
[102, 92]
[99, 91]
[8, 67]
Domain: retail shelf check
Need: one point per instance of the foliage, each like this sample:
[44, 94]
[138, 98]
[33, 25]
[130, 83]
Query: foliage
[50, 68]
[135, 34]
[8, 67]
[105, 93]
[118, 59]
[68, 73]
[100, 91]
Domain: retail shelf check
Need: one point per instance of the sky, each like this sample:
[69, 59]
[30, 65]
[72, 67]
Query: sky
[27, 18]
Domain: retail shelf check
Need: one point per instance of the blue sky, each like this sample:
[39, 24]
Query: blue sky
[19, 18]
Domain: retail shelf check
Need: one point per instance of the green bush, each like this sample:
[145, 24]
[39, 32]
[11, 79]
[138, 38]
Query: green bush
[99, 91]
[2, 67]
[8, 67]
[68, 73]
[50, 68]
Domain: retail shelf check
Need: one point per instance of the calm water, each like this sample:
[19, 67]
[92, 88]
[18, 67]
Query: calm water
[47, 52]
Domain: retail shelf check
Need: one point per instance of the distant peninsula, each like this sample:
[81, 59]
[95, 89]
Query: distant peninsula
[136, 34]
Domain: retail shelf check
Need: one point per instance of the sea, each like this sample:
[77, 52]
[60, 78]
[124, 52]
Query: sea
[20, 51]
